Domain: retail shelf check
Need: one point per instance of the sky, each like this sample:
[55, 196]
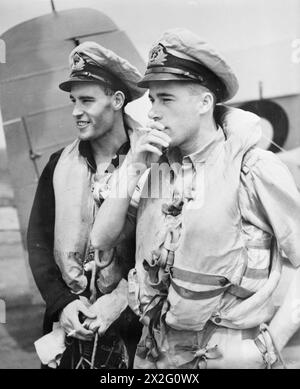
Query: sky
[230, 25]
[144, 20]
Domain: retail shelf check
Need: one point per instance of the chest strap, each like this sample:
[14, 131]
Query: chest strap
[198, 278]
[188, 294]
[214, 280]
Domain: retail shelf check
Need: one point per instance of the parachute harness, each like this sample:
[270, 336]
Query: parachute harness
[267, 346]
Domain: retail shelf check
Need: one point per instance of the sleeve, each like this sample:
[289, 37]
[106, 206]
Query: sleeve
[130, 223]
[40, 241]
[271, 201]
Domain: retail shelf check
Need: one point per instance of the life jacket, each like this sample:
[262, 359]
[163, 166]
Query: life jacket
[74, 215]
[75, 210]
[205, 262]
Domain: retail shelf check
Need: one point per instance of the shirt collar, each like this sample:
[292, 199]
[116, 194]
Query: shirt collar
[85, 150]
[200, 155]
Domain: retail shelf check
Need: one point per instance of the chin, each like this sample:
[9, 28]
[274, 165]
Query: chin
[85, 135]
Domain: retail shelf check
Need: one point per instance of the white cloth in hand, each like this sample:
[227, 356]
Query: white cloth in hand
[50, 347]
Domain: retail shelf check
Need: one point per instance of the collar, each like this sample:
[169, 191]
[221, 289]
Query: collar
[201, 155]
[85, 150]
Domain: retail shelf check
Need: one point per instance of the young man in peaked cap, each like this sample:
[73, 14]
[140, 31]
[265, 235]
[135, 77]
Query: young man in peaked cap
[209, 230]
[85, 294]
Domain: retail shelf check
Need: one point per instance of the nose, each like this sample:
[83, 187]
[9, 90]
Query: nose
[77, 110]
[153, 114]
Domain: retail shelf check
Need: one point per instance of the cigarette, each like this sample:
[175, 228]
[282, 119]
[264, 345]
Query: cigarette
[71, 333]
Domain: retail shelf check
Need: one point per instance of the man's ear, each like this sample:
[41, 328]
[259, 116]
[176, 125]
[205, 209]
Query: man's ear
[118, 100]
[207, 102]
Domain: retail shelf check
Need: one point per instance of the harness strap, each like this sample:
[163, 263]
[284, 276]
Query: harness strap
[151, 318]
[201, 351]
[240, 292]
[268, 347]
[198, 278]
[259, 244]
[210, 279]
[192, 295]
[235, 290]
[150, 309]
[256, 274]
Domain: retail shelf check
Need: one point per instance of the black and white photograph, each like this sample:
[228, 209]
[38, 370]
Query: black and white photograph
[149, 187]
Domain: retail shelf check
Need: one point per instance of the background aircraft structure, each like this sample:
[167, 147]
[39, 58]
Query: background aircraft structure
[36, 114]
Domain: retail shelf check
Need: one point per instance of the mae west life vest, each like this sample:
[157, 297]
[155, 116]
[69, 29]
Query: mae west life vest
[74, 214]
[206, 263]
[75, 211]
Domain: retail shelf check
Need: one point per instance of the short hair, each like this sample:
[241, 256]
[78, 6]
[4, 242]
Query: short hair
[198, 89]
[110, 90]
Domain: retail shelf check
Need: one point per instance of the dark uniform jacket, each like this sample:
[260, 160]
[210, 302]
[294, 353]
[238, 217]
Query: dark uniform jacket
[40, 240]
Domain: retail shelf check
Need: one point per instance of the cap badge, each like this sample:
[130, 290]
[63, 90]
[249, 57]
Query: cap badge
[158, 55]
[78, 62]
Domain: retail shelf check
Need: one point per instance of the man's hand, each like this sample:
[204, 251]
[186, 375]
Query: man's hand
[108, 309]
[147, 144]
[69, 320]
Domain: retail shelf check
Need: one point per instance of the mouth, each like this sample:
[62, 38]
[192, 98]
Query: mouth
[81, 124]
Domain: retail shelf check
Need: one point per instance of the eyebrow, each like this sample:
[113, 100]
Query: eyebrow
[82, 97]
[162, 94]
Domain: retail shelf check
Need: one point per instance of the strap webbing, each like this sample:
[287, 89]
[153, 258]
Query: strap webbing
[257, 274]
[192, 295]
[240, 292]
[259, 244]
[198, 278]
[188, 294]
